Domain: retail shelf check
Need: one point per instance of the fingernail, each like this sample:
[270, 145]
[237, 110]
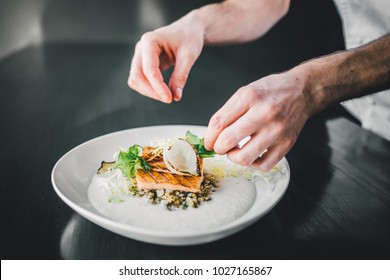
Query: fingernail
[164, 98]
[179, 92]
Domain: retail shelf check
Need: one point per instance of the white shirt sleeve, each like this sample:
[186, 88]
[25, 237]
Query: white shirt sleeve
[364, 21]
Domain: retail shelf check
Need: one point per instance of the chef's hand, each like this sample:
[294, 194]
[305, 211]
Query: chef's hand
[178, 44]
[272, 111]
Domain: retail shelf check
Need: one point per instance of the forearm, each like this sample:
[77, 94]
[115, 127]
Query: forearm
[346, 75]
[235, 21]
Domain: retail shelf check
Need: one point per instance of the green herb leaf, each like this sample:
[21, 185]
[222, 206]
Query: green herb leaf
[198, 144]
[130, 161]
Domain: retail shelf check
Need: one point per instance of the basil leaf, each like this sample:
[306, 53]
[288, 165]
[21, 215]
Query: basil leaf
[198, 144]
[130, 161]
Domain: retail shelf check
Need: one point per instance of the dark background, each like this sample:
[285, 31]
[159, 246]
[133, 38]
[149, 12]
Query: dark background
[63, 81]
[310, 28]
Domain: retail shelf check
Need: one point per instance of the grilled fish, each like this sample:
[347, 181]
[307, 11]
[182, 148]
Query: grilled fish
[160, 177]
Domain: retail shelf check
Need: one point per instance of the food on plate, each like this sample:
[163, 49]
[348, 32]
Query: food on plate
[172, 169]
[171, 172]
[177, 173]
[181, 158]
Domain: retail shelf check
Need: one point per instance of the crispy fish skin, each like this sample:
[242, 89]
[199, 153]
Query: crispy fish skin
[160, 177]
[155, 180]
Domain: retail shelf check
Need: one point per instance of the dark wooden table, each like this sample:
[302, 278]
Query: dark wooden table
[55, 96]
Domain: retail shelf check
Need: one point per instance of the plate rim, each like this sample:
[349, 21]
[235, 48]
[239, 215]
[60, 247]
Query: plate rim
[100, 219]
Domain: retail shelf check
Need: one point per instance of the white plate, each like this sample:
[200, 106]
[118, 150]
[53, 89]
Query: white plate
[72, 175]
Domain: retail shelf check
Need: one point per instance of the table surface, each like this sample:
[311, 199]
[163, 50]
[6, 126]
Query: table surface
[56, 96]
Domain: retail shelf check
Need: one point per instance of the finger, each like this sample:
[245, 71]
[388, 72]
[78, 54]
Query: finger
[231, 136]
[135, 67]
[146, 89]
[254, 148]
[151, 52]
[137, 81]
[184, 62]
[233, 109]
[272, 156]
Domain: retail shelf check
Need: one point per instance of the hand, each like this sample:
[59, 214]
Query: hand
[178, 45]
[272, 111]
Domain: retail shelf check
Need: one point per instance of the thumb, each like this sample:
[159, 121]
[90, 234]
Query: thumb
[184, 61]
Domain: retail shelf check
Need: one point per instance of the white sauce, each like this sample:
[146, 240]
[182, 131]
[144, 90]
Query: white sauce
[232, 199]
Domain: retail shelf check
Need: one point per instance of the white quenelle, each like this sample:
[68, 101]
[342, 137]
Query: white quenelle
[180, 157]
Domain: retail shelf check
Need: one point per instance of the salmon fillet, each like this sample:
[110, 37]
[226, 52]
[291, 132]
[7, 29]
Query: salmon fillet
[160, 177]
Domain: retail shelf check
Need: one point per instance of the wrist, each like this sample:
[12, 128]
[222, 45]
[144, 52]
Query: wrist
[345, 75]
[323, 80]
[197, 20]
[306, 76]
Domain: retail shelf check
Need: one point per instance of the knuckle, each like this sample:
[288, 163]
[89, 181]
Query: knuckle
[132, 82]
[223, 145]
[241, 159]
[279, 128]
[250, 94]
[152, 73]
[241, 92]
[216, 122]
[248, 126]
[148, 37]
[180, 79]
[137, 46]
[266, 166]
[218, 149]
[272, 111]
[227, 140]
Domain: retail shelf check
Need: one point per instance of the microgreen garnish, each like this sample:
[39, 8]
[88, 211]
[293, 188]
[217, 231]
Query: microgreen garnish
[198, 144]
[130, 161]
